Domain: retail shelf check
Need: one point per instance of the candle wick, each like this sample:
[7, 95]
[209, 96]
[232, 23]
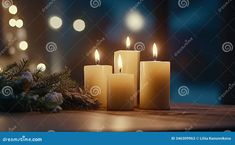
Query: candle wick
[120, 70]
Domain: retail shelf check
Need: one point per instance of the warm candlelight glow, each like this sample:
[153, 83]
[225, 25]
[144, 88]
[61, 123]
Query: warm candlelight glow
[97, 57]
[128, 42]
[155, 51]
[120, 66]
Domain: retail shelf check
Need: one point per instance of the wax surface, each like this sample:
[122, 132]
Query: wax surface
[95, 80]
[121, 92]
[154, 85]
[131, 62]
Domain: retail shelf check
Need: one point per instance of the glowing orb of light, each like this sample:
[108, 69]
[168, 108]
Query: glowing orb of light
[134, 21]
[12, 9]
[55, 22]
[19, 23]
[23, 45]
[12, 22]
[79, 25]
[41, 66]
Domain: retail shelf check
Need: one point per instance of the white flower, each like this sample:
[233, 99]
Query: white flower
[54, 97]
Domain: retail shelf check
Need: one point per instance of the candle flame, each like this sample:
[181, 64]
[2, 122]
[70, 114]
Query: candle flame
[128, 42]
[120, 66]
[155, 53]
[97, 56]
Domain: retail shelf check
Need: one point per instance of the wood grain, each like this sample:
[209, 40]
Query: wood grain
[181, 117]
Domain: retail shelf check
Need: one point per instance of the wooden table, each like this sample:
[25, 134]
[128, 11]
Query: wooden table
[182, 117]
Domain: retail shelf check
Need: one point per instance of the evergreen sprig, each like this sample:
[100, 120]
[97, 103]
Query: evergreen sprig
[13, 70]
[38, 91]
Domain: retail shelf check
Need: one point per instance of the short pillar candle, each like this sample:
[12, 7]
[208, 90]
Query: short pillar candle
[121, 92]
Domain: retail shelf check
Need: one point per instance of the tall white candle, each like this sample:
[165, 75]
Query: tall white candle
[155, 83]
[95, 80]
[131, 60]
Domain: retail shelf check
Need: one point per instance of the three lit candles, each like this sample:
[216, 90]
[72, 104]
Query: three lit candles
[119, 91]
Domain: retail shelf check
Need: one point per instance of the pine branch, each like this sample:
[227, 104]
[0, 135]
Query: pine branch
[31, 90]
[51, 80]
[15, 69]
[8, 68]
[21, 66]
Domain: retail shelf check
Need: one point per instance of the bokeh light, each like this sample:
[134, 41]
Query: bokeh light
[79, 25]
[55, 22]
[19, 23]
[12, 9]
[41, 66]
[12, 22]
[23, 45]
[134, 21]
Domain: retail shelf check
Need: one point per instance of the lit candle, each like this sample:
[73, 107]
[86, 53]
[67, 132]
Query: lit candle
[128, 42]
[131, 60]
[121, 89]
[95, 80]
[155, 83]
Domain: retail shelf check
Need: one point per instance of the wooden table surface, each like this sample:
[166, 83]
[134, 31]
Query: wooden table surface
[182, 117]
